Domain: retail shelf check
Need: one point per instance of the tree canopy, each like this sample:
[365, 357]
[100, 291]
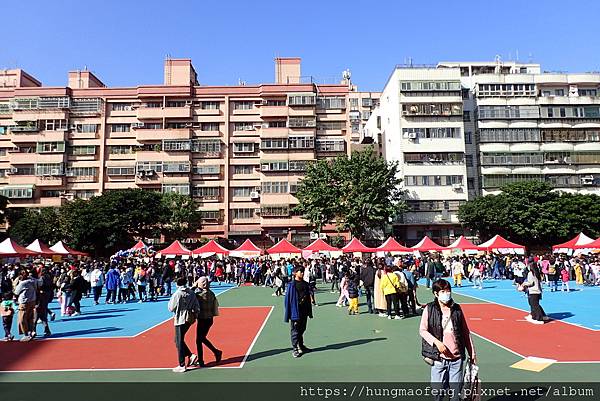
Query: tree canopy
[532, 213]
[358, 193]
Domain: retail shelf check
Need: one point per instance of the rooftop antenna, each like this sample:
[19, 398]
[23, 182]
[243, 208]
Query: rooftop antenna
[85, 67]
[410, 63]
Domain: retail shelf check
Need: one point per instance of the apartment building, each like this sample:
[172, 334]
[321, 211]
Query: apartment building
[517, 123]
[238, 150]
[420, 123]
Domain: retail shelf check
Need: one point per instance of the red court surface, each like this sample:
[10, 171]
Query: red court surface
[234, 332]
[555, 340]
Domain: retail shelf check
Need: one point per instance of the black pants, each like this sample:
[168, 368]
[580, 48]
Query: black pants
[75, 298]
[404, 302]
[7, 324]
[202, 328]
[392, 299]
[97, 292]
[297, 329]
[111, 295]
[412, 302]
[123, 294]
[537, 313]
[335, 283]
[369, 291]
[182, 349]
[142, 292]
[42, 309]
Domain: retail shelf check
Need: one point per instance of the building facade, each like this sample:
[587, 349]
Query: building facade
[238, 150]
[464, 129]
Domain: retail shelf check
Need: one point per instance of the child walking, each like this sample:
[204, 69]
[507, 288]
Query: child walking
[564, 275]
[352, 293]
[7, 310]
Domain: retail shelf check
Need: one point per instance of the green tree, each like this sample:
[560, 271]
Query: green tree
[180, 216]
[43, 224]
[359, 193]
[532, 213]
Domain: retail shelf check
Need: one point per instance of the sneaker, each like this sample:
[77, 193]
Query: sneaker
[193, 359]
[304, 350]
[25, 339]
[390, 317]
[47, 333]
[296, 354]
[179, 369]
[140, 301]
[382, 315]
[546, 318]
[52, 317]
[273, 295]
[75, 313]
[218, 356]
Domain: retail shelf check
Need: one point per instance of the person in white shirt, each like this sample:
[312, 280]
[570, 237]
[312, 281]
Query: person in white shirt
[96, 278]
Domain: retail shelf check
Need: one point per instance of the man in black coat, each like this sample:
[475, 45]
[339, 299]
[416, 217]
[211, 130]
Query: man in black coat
[367, 276]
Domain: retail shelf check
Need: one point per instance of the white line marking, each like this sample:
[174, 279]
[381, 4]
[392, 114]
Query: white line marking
[474, 318]
[498, 345]
[497, 319]
[256, 337]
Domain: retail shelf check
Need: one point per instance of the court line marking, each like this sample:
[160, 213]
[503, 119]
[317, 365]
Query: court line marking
[256, 337]
[523, 310]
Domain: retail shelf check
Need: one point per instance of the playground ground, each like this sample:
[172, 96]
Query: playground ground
[134, 342]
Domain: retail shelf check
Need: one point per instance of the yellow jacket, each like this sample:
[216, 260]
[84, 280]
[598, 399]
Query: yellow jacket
[389, 282]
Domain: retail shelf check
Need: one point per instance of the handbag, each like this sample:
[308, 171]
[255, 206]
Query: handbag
[471, 382]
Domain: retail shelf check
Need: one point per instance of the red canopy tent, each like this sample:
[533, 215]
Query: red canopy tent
[9, 248]
[283, 246]
[427, 245]
[60, 248]
[502, 245]
[592, 245]
[139, 245]
[175, 249]
[356, 246]
[40, 248]
[391, 245]
[247, 249]
[210, 248]
[319, 245]
[463, 244]
[579, 242]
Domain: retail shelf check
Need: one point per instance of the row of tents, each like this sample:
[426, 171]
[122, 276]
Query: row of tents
[284, 247]
[9, 248]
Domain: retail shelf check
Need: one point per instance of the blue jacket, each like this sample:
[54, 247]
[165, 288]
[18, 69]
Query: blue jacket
[113, 279]
[290, 303]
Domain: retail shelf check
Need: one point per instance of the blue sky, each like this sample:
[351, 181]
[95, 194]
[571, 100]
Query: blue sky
[124, 42]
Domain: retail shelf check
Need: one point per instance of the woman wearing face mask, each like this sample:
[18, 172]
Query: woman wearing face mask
[446, 339]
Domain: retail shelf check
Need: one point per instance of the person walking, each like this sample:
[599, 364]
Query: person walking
[533, 286]
[389, 285]
[26, 292]
[458, 270]
[298, 309]
[367, 276]
[77, 286]
[7, 311]
[208, 308]
[46, 295]
[112, 285]
[184, 305]
[564, 276]
[445, 342]
[97, 282]
[352, 281]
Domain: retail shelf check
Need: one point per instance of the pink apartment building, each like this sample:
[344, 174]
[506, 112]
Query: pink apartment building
[238, 150]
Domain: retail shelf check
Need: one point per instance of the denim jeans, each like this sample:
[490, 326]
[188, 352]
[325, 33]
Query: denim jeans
[369, 291]
[447, 375]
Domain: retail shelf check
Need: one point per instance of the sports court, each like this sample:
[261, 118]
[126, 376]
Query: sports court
[134, 342]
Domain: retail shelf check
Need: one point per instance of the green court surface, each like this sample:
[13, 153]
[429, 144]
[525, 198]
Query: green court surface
[364, 348]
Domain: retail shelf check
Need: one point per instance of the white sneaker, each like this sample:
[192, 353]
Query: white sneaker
[382, 315]
[193, 359]
[179, 369]
[528, 317]
[390, 317]
[546, 318]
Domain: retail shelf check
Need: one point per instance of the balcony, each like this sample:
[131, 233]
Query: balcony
[143, 135]
[40, 181]
[273, 111]
[40, 114]
[153, 179]
[150, 113]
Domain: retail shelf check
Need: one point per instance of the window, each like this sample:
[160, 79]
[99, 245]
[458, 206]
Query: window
[274, 187]
[50, 147]
[243, 105]
[434, 158]
[24, 170]
[17, 192]
[82, 150]
[275, 102]
[211, 214]
[176, 103]
[153, 105]
[559, 92]
[209, 105]
[54, 102]
[120, 106]
[243, 169]
[334, 102]
[562, 111]
[182, 189]
[466, 94]
[153, 126]
[149, 166]
[433, 110]
[274, 166]
[209, 127]
[301, 142]
[466, 116]
[275, 211]
[82, 171]
[331, 145]
[298, 165]
[432, 180]
[367, 102]
[430, 86]
[301, 100]
[85, 194]
[588, 92]
[468, 138]
[206, 145]
[550, 112]
[277, 124]
[332, 125]
[52, 193]
[54, 125]
[469, 160]
[171, 145]
[242, 191]
[207, 170]
[86, 106]
[177, 125]
[432, 133]
[274, 143]
[302, 122]
[176, 167]
[246, 213]
[86, 128]
[120, 171]
[244, 126]
[207, 193]
[353, 103]
[243, 147]
[120, 127]
[508, 112]
[49, 169]
[120, 149]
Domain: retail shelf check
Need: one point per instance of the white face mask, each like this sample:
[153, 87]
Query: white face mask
[444, 297]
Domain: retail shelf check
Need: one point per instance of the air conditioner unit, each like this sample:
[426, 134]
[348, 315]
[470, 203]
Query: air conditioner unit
[188, 125]
[412, 135]
[70, 173]
[188, 102]
[254, 195]
[257, 211]
[264, 167]
[264, 102]
[141, 173]
[457, 187]
[314, 235]
[73, 126]
[14, 170]
[587, 180]
[137, 125]
[55, 171]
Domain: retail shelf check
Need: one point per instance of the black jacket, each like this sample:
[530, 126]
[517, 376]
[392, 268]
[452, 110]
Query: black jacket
[367, 275]
[434, 326]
